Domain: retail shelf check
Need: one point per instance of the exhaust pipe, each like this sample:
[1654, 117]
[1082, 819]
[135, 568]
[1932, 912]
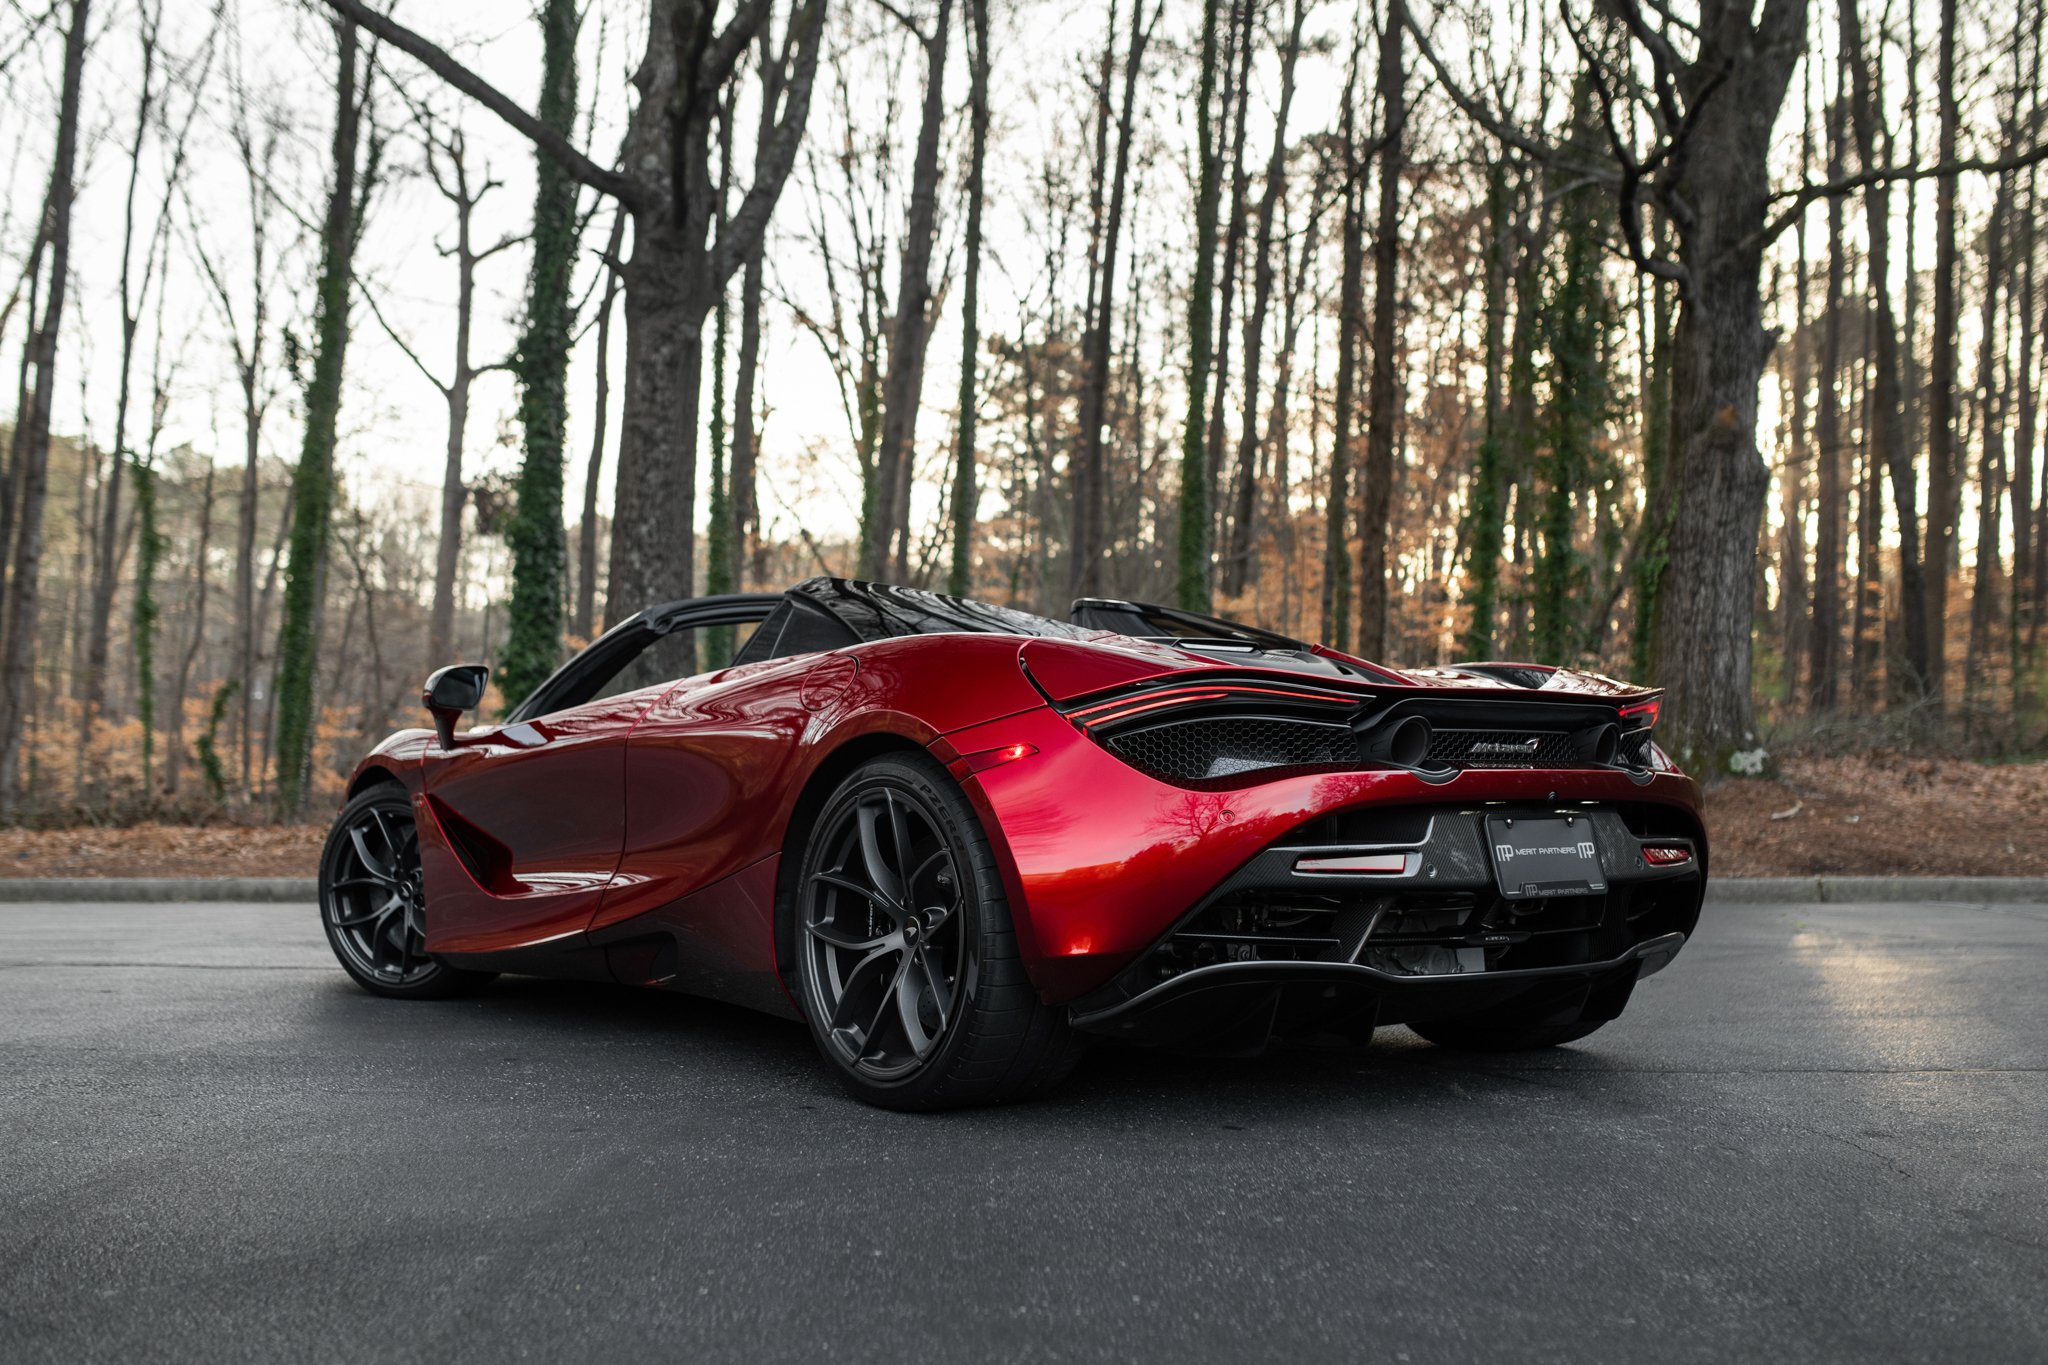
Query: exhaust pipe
[1403, 743]
[1599, 744]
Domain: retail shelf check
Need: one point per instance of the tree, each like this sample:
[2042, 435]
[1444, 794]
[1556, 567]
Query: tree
[583, 619]
[1888, 417]
[1486, 517]
[679, 267]
[1383, 408]
[1089, 542]
[1237, 560]
[960, 572]
[539, 545]
[903, 385]
[1575, 321]
[31, 457]
[313, 481]
[1944, 484]
[1191, 577]
[445, 153]
[1824, 660]
[1336, 605]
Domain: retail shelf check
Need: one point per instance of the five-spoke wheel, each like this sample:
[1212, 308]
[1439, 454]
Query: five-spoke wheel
[373, 901]
[904, 950]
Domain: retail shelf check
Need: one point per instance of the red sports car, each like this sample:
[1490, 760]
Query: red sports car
[958, 840]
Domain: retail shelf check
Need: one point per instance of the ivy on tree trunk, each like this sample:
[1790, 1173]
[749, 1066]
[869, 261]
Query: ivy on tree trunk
[313, 482]
[539, 544]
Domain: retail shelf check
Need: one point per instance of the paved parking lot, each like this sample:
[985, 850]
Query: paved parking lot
[1822, 1134]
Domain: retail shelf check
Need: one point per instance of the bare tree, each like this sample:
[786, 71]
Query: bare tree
[31, 459]
[679, 266]
[1376, 482]
[445, 156]
[1237, 559]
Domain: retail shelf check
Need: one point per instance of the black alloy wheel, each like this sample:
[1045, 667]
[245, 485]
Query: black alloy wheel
[373, 900]
[905, 954]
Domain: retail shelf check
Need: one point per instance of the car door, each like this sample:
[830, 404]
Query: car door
[522, 822]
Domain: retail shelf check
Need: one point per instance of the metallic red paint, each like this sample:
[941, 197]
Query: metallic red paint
[662, 814]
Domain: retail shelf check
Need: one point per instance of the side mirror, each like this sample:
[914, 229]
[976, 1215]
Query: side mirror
[450, 692]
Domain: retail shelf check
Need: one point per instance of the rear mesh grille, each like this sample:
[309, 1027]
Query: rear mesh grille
[1221, 746]
[1502, 749]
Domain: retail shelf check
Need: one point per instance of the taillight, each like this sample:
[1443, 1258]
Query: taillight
[1666, 855]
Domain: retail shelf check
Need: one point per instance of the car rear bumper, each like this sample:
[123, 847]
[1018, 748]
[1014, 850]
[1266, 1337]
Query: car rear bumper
[1102, 861]
[1239, 1006]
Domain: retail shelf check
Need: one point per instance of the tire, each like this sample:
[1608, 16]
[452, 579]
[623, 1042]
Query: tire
[372, 904]
[918, 1001]
[1504, 1033]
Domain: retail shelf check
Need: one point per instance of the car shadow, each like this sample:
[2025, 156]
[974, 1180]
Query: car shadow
[1113, 1083]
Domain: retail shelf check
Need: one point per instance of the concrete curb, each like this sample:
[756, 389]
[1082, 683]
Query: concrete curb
[1869, 890]
[73, 889]
[1723, 891]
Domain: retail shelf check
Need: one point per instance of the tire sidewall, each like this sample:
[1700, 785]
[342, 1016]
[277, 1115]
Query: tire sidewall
[434, 984]
[934, 789]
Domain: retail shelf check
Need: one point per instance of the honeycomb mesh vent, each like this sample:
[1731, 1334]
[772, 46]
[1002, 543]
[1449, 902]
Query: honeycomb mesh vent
[1502, 749]
[1221, 746]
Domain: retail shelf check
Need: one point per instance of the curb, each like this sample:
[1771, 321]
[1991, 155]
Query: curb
[1725, 891]
[270, 890]
[1872, 890]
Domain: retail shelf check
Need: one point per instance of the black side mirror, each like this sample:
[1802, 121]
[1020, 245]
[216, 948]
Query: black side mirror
[450, 692]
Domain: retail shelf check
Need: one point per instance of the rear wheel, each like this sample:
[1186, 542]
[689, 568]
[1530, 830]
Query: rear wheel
[906, 956]
[373, 902]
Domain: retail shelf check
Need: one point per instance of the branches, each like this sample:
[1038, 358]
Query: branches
[1504, 131]
[1893, 175]
[557, 147]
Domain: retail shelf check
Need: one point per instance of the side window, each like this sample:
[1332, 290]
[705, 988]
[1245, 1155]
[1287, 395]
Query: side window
[796, 627]
[686, 652]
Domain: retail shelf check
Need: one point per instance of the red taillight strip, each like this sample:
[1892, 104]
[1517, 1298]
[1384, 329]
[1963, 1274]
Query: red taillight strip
[1666, 855]
[1116, 708]
[1643, 708]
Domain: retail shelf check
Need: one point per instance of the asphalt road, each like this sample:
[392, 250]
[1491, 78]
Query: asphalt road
[1822, 1134]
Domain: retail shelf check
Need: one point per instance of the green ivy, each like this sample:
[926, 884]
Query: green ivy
[536, 537]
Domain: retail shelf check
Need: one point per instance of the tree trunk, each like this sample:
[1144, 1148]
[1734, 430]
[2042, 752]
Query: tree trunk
[901, 388]
[1486, 526]
[105, 562]
[313, 483]
[1719, 351]
[1336, 605]
[584, 622]
[539, 545]
[32, 430]
[1824, 651]
[1991, 432]
[1236, 109]
[960, 574]
[1887, 418]
[1376, 489]
[174, 745]
[1237, 561]
[1944, 481]
[1090, 494]
[1191, 576]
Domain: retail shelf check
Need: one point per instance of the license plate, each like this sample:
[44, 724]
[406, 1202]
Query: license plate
[1545, 856]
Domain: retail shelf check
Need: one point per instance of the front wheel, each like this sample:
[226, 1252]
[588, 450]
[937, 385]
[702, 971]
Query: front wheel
[373, 902]
[906, 957]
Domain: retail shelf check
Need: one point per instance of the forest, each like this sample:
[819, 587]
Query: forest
[1691, 342]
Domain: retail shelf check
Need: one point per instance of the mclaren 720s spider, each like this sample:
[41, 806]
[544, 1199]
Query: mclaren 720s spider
[958, 840]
